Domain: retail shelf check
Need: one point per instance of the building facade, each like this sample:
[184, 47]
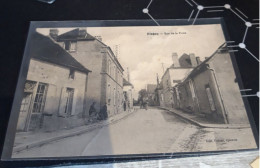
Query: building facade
[105, 82]
[211, 90]
[174, 75]
[55, 89]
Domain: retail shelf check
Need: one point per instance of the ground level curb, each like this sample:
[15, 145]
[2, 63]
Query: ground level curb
[222, 126]
[89, 129]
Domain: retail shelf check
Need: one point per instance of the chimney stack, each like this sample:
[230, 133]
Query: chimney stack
[193, 60]
[82, 32]
[198, 60]
[175, 60]
[54, 33]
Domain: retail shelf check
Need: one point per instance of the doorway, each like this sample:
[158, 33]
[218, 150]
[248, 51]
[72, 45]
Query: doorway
[24, 111]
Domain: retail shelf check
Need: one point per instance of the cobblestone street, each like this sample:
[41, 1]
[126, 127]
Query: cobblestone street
[145, 131]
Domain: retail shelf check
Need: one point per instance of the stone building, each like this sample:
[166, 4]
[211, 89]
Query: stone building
[172, 76]
[211, 90]
[55, 91]
[105, 83]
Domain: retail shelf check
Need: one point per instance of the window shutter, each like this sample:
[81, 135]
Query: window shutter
[74, 102]
[210, 98]
[62, 102]
[51, 104]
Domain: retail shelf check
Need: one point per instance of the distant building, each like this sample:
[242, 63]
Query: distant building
[105, 83]
[55, 91]
[128, 94]
[211, 89]
[171, 77]
[151, 94]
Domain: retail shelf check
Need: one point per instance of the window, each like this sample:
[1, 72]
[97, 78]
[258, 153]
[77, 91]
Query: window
[192, 89]
[118, 76]
[72, 74]
[177, 93]
[109, 94]
[69, 101]
[111, 70]
[118, 97]
[25, 102]
[114, 72]
[114, 96]
[73, 46]
[210, 98]
[162, 97]
[70, 46]
[108, 67]
[40, 97]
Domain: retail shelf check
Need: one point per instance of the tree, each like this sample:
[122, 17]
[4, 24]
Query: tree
[142, 94]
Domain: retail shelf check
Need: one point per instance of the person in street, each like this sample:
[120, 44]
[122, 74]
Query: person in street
[103, 114]
[141, 103]
[128, 106]
[145, 103]
[124, 106]
[92, 112]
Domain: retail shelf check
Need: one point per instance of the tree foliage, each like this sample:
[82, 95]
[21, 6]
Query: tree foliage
[142, 94]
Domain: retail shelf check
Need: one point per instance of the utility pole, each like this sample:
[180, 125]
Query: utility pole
[158, 79]
[128, 75]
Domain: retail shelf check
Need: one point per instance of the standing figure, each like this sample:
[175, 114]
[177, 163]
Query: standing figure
[92, 112]
[104, 112]
[141, 103]
[124, 106]
[128, 106]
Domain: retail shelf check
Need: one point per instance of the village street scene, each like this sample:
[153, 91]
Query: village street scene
[85, 96]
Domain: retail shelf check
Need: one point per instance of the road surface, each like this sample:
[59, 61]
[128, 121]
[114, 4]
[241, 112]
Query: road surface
[145, 131]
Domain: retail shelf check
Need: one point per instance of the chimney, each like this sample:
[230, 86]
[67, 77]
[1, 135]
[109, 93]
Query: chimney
[128, 75]
[54, 33]
[82, 32]
[193, 60]
[198, 60]
[175, 60]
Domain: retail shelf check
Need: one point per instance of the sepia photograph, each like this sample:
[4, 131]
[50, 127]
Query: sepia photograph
[127, 90]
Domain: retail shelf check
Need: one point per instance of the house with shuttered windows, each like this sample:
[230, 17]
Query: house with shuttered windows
[105, 82]
[55, 90]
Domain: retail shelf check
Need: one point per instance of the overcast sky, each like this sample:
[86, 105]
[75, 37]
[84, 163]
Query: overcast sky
[144, 54]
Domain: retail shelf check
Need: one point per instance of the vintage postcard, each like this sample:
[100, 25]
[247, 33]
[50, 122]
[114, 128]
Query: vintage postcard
[126, 90]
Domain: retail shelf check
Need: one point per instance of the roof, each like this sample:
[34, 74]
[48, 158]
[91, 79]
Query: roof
[45, 49]
[82, 35]
[200, 66]
[151, 88]
[75, 34]
[126, 83]
[115, 58]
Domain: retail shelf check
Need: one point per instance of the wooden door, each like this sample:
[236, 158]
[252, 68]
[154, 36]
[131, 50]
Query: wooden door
[24, 111]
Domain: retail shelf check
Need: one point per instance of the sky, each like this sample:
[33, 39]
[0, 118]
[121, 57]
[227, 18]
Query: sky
[145, 55]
